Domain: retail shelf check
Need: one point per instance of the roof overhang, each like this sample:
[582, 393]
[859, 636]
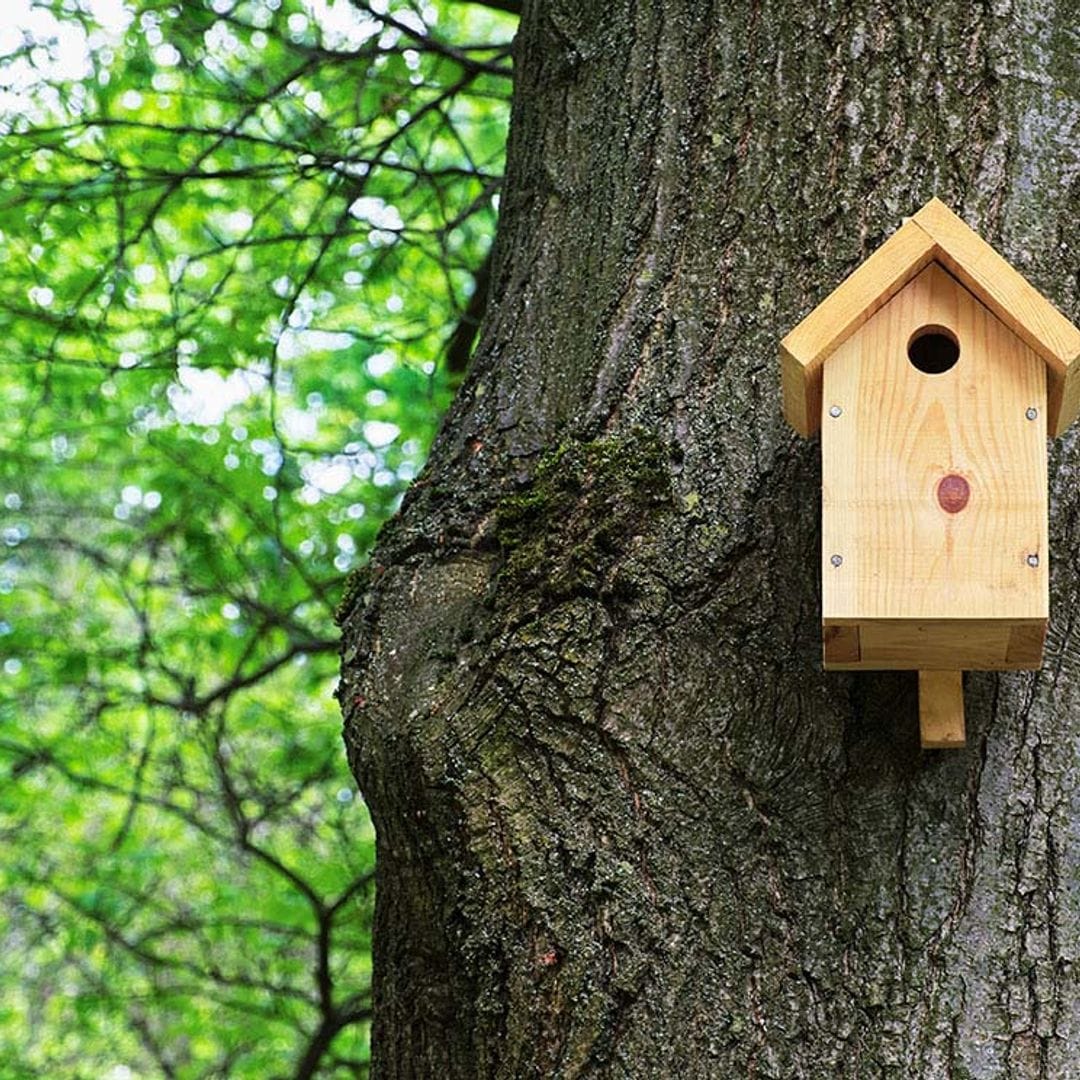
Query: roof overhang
[935, 233]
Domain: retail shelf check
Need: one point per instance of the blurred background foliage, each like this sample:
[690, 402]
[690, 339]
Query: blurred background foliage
[244, 247]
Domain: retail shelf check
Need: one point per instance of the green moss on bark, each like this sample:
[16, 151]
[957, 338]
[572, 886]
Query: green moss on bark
[582, 509]
[356, 584]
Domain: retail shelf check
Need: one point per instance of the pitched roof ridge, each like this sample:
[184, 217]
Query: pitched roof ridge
[933, 234]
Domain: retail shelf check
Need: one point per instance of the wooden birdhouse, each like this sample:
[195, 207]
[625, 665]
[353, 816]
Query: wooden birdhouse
[935, 372]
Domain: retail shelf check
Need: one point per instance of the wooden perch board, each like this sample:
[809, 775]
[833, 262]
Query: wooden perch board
[941, 710]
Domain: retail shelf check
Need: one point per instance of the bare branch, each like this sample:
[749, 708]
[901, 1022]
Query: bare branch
[459, 347]
[512, 7]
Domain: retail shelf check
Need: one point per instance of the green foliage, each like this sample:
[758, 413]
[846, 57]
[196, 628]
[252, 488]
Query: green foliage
[236, 237]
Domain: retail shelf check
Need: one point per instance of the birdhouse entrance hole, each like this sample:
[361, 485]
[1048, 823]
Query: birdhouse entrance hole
[933, 349]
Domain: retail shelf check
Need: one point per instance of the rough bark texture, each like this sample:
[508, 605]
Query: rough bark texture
[627, 826]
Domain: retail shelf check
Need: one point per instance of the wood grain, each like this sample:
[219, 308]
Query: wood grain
[941, 710]
[935, 233]
[840, 646]
[856, 299]
[1015, 301]
[933, 645]
[1026, 645]
[898, 434]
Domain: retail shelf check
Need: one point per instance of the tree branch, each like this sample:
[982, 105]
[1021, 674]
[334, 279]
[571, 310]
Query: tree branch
[511, 6]
[459, 347]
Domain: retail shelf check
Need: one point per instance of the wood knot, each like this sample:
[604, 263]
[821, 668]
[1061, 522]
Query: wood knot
[953, 493]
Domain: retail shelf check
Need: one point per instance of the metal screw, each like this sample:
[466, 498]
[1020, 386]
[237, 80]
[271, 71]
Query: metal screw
[835, 411]
[1033, 560]
[1032, 413]
[836, 560]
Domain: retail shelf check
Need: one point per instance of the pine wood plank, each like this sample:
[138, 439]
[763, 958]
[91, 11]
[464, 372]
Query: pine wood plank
[935, 645]
[972, 645]
[1026, 645]
[840, 645]
[856, 299]
[1015, 301]
[899, 433]
[941, 710]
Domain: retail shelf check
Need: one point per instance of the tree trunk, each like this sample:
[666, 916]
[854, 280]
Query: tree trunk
[627, 825]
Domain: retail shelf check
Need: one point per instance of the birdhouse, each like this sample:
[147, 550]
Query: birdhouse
[935, 372]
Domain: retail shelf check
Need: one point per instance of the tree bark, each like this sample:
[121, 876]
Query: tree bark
[627, 826]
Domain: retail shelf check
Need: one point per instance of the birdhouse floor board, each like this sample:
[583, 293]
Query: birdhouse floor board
[1026, 644]
[841, 645]
[934, 488]
[944, 644]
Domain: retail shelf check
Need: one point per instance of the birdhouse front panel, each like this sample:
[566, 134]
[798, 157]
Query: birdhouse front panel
[934, 490]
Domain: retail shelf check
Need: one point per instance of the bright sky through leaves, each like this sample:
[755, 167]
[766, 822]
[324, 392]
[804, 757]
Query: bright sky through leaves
[237, 238]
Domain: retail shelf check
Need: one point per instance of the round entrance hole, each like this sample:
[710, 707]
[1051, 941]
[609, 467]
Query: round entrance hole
[933, 349]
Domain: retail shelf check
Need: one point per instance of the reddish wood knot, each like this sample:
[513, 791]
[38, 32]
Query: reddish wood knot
[953, 493]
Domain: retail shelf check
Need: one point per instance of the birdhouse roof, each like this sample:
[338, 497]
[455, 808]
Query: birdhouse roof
[934, 234]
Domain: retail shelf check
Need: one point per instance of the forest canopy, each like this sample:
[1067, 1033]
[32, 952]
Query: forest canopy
[244, 249]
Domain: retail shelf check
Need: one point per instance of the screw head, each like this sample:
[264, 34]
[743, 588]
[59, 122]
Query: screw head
[1032, 413]
[835, 411]
[1033, 560]
[837, 560]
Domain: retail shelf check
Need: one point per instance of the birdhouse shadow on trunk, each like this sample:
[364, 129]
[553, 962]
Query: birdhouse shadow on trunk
[883, 731]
